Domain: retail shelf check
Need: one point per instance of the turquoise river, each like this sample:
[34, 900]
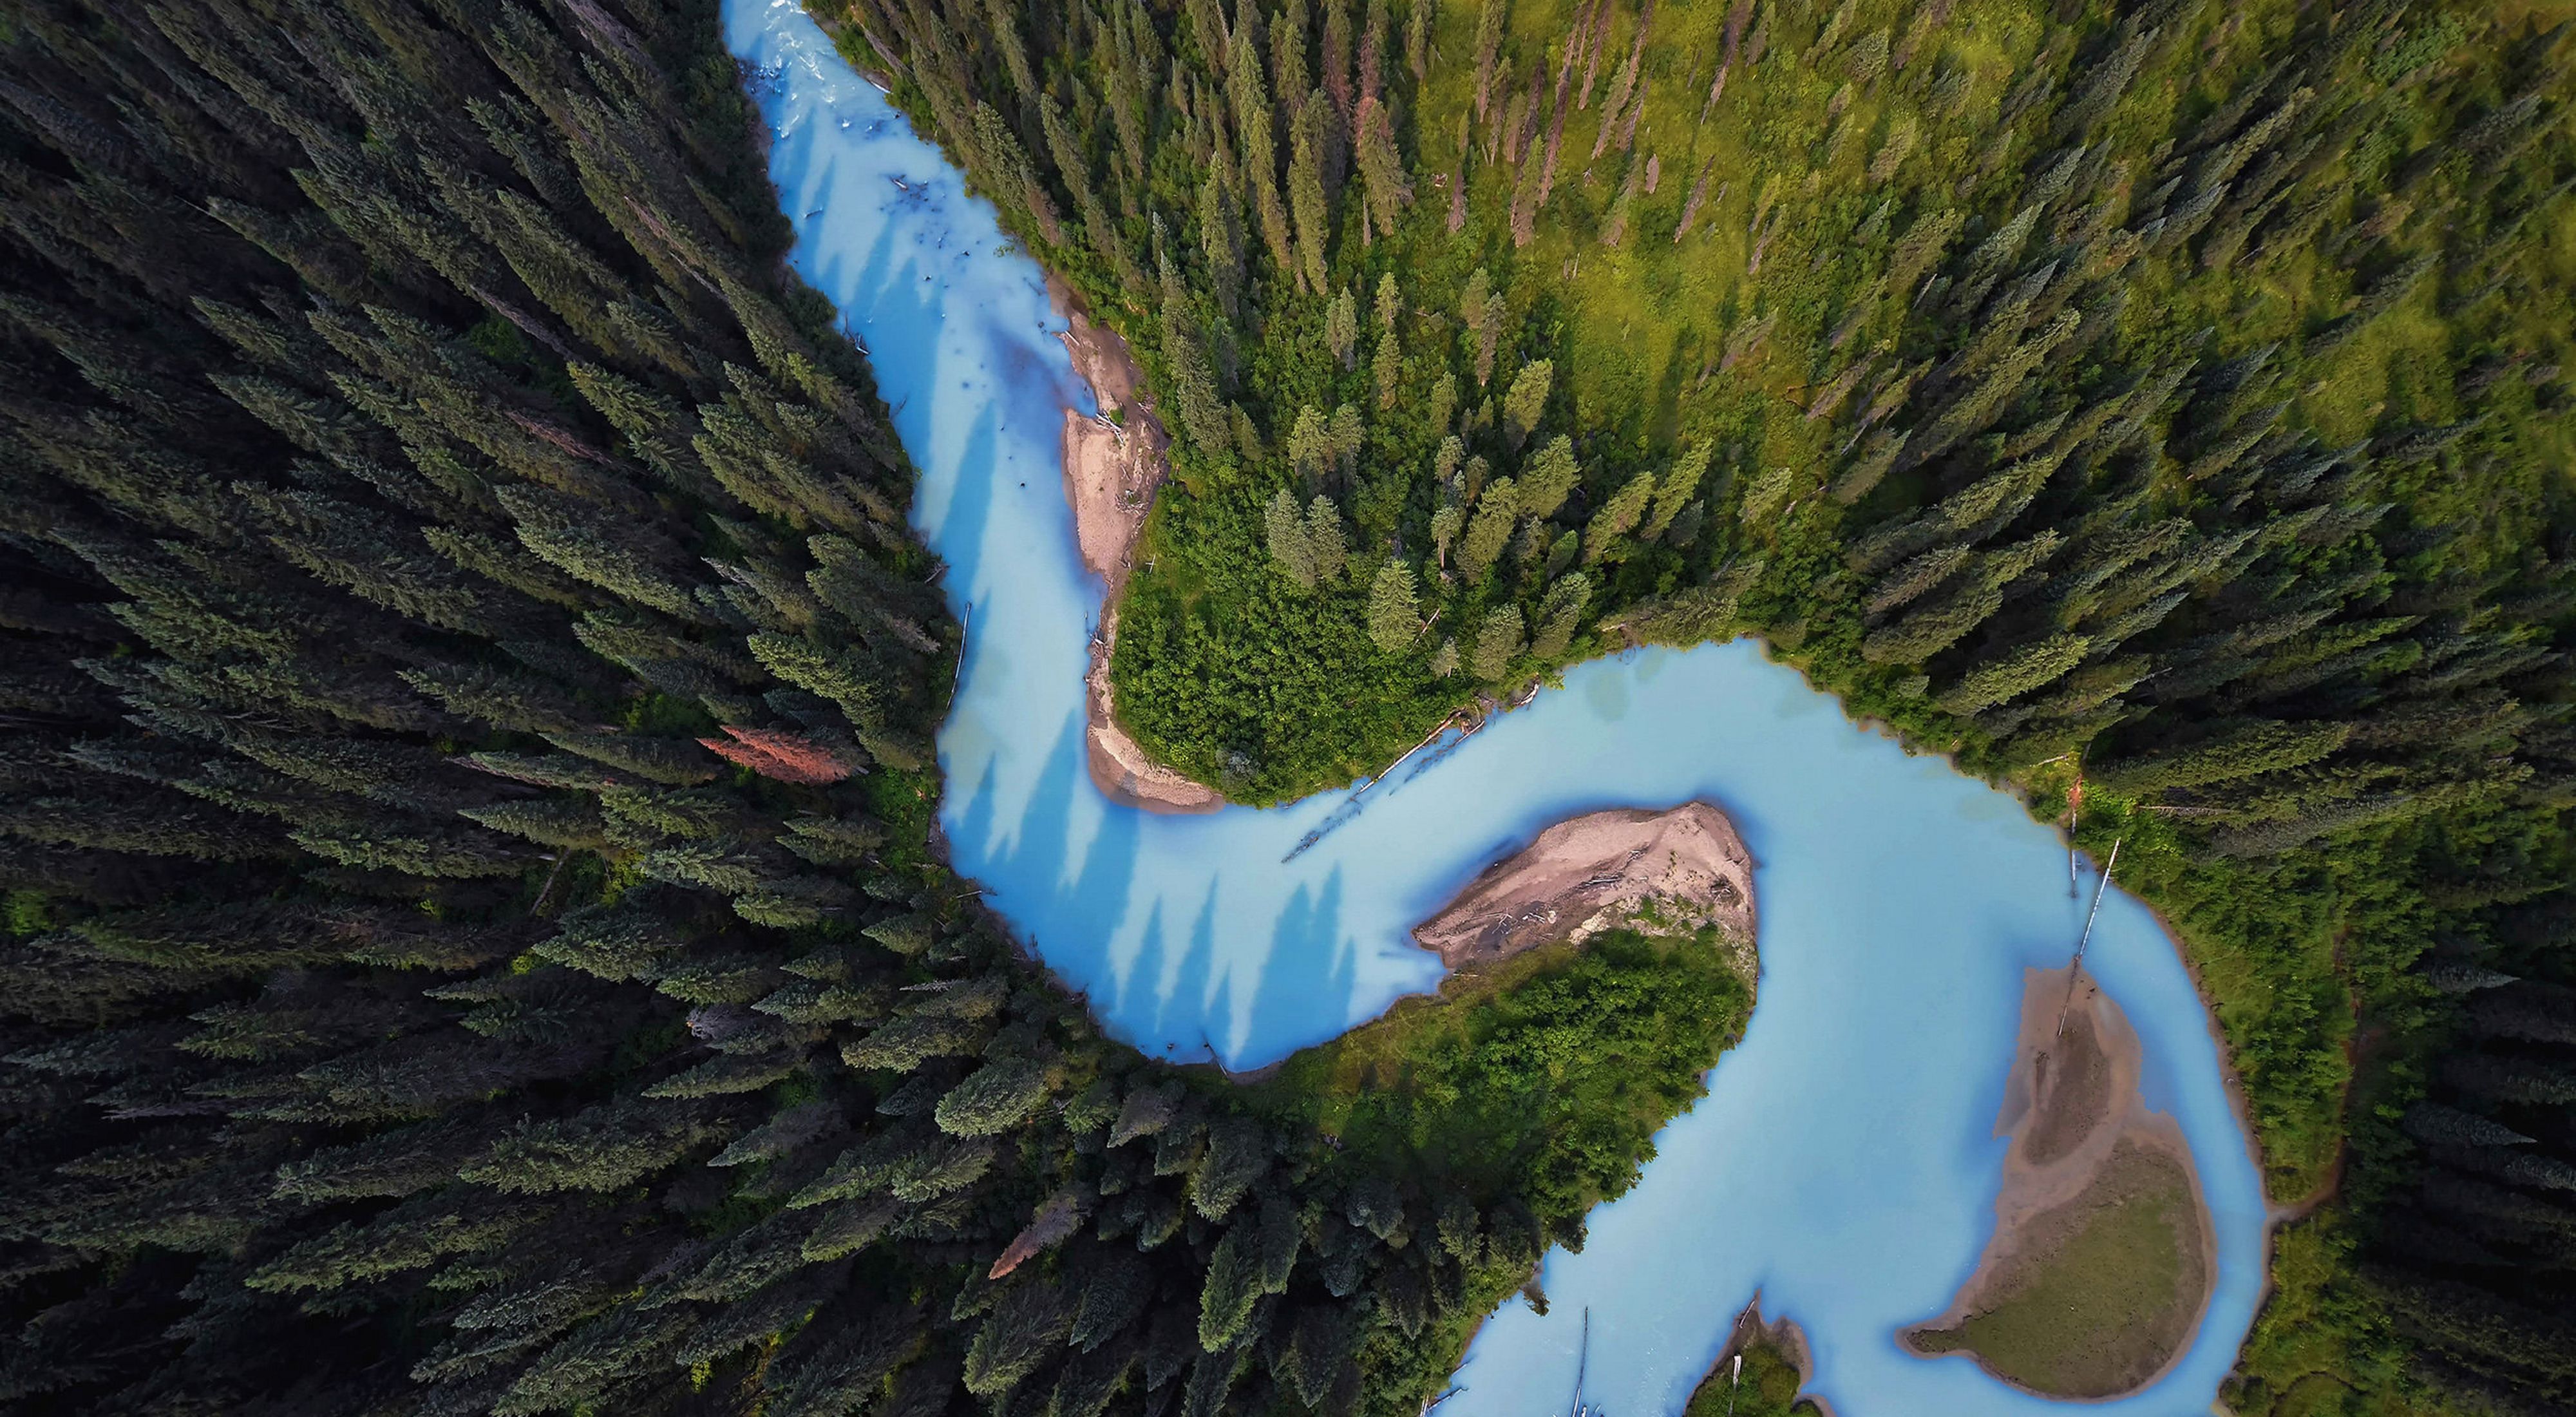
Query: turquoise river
[1843, 1163]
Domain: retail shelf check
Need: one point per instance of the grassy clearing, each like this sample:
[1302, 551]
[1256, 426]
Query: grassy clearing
[2103, 1295]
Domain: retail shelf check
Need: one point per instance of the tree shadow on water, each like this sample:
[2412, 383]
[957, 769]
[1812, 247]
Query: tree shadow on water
[1036, 376]
[1181, 1030]
[970, 840]
[792, 157]
[1066, 915]
[1141, 993]
[1304, 993]
[1070, 918]
[900, 314]
[962, 522]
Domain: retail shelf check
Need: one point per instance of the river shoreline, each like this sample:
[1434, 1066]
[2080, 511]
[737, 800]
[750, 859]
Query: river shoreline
[1667, 872]
[2240, 1100]
[1112, 468]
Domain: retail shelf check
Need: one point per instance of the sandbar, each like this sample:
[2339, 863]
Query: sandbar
[2103, 1257]
[1659, 872]
[1112, 466]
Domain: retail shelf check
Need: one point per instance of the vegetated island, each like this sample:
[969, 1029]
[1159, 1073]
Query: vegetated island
[1529, 1089]
[1656, 872]
[1111, 467]
[2103, 1255]
[1775, 1365]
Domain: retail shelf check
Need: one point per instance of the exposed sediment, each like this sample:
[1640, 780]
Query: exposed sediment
[2103, 1257]
[1112, 466]
[1665, 872]
[1120, 766]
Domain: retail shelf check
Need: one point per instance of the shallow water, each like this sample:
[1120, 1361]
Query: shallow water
[1843, 1163]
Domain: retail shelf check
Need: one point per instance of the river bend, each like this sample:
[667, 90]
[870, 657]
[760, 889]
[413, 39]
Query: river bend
[1843, 1163]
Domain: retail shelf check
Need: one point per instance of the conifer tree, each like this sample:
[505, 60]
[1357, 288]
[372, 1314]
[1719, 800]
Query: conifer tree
[1560, 615]
[1308, 200]
[1618, 515]
[1291, 549]
[1472, 304]
[1386, 371]
[1526, 402]
[995, 1098]
[1675, 487]
[1222, 243]
[1548, 477]
[1342, 328]
[2015, 674]
[1325, 547]
[1498, 643]
[1497, 512]
[1394, 618]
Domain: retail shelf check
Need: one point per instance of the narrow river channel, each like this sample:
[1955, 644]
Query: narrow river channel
[1844, 1163]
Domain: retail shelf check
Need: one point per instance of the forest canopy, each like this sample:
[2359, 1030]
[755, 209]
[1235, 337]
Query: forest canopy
[473, 940]
[2162, 403]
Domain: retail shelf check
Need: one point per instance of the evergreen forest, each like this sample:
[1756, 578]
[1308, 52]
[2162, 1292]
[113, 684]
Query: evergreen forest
[2158, 406]
[474, 937]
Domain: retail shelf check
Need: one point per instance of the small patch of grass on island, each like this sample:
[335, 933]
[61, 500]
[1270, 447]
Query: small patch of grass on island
[2105, 1294]
[1767, 1387]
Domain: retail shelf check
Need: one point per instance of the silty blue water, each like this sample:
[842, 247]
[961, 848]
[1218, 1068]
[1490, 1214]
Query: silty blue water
[1843, 1163]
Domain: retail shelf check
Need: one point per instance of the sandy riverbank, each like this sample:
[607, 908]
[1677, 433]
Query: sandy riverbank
[2103, 1256]
[1666, 871]
[1112, 465]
